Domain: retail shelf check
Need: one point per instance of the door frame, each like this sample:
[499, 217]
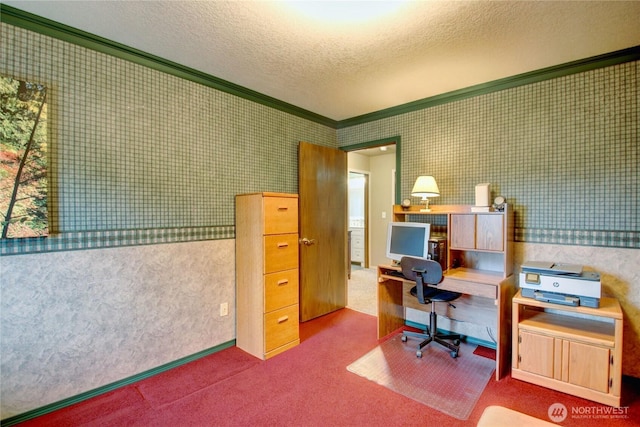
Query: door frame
[378, 143]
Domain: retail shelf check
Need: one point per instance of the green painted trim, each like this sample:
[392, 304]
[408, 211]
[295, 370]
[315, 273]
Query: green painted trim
[600, 61]
[47, 27]
[385, 141]
[110, 387]
[465, 338]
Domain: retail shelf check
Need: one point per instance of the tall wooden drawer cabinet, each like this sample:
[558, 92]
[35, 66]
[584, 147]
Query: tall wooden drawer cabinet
[267, 273]
[576, 350]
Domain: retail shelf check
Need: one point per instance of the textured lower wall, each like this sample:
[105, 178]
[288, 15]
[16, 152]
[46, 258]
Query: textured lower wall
[618, 270]
[75, 321]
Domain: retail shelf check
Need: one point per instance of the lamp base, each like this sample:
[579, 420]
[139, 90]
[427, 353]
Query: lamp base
[426, 205]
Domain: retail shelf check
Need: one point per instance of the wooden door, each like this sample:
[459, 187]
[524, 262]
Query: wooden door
[322, 187]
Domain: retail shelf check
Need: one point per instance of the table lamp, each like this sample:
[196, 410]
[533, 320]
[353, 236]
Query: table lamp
[424, 187]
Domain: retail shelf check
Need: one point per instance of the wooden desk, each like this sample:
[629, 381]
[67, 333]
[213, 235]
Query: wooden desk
[487, 299]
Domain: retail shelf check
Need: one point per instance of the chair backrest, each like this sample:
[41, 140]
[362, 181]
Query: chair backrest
[423, 272]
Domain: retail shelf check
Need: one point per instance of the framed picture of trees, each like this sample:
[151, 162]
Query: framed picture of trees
[23, 159]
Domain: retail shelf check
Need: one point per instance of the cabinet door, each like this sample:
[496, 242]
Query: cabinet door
[489, 232]
[589, 366]
[463, 231]
[535, 353]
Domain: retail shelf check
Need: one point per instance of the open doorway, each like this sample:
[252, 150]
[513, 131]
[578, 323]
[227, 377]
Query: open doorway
[372, 193]
[378, 168]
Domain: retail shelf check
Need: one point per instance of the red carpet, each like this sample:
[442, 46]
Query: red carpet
[308, 385]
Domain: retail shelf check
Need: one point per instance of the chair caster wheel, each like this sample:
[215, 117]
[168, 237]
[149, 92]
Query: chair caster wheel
[454, 354]
[404, 338]
[456, 342]
[419, 354]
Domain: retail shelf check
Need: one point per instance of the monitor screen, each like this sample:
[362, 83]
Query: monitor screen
[408, 239]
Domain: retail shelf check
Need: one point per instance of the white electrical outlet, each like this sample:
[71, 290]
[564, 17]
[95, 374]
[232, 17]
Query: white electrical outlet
[224, 309]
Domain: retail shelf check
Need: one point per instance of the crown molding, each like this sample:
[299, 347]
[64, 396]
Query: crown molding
[579, 66]
[38, 24]
[22, 19]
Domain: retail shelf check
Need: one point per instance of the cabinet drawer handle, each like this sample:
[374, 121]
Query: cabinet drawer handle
[283, 245]
[283, 208]
[282, 282]
[283, 319]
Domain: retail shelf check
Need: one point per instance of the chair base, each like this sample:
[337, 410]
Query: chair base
[427, 337]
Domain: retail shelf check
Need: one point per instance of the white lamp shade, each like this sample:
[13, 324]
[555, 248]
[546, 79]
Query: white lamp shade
[425, 186]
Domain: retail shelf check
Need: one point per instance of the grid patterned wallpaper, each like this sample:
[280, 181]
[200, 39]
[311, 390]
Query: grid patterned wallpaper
[138, 156]
[564, 153]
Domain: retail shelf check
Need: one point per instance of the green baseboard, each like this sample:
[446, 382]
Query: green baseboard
[112, 386]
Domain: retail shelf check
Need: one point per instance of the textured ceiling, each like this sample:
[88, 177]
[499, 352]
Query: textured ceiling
[356, 61]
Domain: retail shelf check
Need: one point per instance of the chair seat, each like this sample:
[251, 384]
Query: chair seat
[436, 295]
[446, 296]
[429, 293]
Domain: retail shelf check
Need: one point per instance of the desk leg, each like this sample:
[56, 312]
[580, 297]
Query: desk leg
[503, 348]
[390, 309]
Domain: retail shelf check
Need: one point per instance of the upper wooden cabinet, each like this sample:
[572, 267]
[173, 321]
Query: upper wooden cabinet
[478, 231]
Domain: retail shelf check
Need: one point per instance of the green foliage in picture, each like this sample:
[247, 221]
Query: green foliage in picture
[23, 159]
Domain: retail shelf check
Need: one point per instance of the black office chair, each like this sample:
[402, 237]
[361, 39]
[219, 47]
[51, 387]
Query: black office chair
[427, 272]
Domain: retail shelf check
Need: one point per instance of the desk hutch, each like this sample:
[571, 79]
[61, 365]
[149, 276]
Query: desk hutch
[479, 265]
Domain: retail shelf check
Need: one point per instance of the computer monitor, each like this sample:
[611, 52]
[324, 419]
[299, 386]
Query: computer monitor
[408, 239]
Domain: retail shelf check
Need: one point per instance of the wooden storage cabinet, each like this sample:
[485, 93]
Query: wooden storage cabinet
[357, 245]
[576, 350]
[477, 231]
[267, 290]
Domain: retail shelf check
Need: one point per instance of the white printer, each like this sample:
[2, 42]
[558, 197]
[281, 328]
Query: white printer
[565, 284]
